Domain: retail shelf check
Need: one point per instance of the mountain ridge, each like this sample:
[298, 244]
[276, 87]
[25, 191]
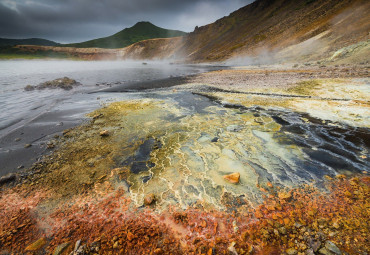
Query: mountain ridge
[142, 30]
[27, 41]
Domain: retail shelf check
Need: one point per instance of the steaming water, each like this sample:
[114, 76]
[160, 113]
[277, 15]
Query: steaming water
[19, 106]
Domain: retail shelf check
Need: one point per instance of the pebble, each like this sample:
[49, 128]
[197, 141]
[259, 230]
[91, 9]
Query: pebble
[36, 245]
[285, 195]
[291, 251]
[234, 128]
[232, 178]
[149, 199]
[104, 133]
[61, 248]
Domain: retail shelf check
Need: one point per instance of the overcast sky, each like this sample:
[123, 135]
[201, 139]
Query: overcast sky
[78, 20]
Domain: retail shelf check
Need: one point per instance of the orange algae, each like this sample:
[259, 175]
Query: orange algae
[110, 224]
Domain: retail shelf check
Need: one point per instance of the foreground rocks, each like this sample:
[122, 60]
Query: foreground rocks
[62, 83]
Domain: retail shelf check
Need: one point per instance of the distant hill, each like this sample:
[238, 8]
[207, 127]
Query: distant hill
[30, 41]
[140, 31]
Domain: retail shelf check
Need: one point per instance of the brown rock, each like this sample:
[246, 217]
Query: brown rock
[36, 245]
[158, 251]
[149, 199]
[291, 251]
[203, 224]
[130, 236]
[104, 133]
[285, 195]
[232, 178]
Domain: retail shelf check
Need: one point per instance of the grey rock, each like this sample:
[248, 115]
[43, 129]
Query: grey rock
[7, 178]
[325, 251]
[332, 247]
[234, 128]
[315, 245]
[309, 252]
[77, 245]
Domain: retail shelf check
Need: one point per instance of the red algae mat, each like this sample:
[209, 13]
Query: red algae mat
[300, 220]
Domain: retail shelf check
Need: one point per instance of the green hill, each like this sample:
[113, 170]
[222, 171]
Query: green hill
[140, 31]
[30, 41]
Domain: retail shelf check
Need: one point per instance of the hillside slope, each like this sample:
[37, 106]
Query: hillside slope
[140, 31]
[272, 30]
[29, 41]
[272, 25]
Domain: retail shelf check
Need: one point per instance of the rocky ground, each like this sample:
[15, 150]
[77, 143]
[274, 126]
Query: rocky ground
[139, 178]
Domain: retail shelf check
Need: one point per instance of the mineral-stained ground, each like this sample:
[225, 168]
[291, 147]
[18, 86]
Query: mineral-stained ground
[146, 176]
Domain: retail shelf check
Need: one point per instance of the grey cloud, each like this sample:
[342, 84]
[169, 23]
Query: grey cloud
[78, 20]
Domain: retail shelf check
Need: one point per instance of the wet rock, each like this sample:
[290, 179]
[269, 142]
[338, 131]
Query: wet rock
[7, 178]
[332, 247]
[50, 144]
[291, 251]
[149, 199]
[39, 244]
[61, 248]
[104, 133]
[232, 178]
[63, 83]
[27, 145]
[29, 88]
[97, 116]
[214, 140]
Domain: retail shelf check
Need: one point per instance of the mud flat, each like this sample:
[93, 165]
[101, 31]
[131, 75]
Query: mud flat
[146, 175]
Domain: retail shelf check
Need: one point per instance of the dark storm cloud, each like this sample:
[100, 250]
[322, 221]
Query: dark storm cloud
[78, 20]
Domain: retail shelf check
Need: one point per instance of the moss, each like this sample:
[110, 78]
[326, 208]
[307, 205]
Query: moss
[305, 87]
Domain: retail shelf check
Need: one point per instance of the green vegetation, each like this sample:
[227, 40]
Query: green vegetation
[305, 87]
[140, 31]
[30, 41]
[10, 52]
